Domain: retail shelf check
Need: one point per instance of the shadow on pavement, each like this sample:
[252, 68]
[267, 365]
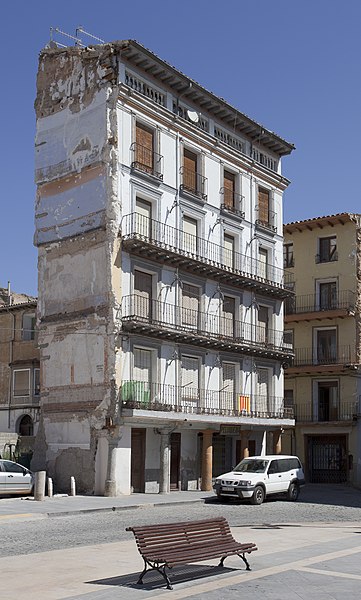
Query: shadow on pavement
[153, 580]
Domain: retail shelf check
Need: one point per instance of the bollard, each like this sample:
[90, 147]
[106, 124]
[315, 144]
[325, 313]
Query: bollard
[50, 487]
[39, 485]
[72, 486]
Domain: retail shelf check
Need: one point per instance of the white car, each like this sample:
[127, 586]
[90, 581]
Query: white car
[260, 476]
[14, 478]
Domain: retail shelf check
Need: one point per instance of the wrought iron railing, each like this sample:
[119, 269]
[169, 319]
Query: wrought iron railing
[140, 227]
[147, 161]
[193, 183]
[326, 411]
[325, 257]
[344, 299]
[232, 202]
[268, 222]
[339, 355]
[176, 318]
[186, 399]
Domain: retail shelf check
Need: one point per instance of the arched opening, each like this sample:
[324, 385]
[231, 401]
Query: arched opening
[26, 426]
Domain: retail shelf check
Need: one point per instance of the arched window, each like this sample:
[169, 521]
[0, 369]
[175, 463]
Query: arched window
[26, 426]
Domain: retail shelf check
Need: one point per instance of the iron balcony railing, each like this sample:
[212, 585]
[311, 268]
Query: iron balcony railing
[136, 227]
[144, 395]
[147, 161]
[326, 411]
[326, 257]
[342, 300]
[266, 222]
[166, 317]
[193, 183]
[338, 355]
[232, 202]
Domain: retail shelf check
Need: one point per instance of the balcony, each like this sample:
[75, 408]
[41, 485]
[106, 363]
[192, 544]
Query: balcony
[340, 357]
[193, 184]
[326, 412]
[183, 325]
[309, 306]
[232, 203]
[267, 222]
[163, 243]
[146, 162]
[23, 398]
[141, 395]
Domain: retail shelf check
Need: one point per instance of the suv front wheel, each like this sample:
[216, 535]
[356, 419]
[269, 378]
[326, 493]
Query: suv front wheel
[258, 495]
[293, 492]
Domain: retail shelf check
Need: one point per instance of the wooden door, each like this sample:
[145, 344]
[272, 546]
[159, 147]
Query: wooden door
[229, 189]
[175, 453]
[138, 460]
[190, 171]
[144, 153]
[143, 294]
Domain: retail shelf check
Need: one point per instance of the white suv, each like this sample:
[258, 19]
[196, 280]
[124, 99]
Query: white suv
[259, 476]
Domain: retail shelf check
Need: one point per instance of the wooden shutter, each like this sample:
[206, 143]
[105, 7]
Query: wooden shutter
[263, 205]
[262, 389]
[143, 294]
[262, 264]
[262, 333]
[229, 251]
[190, 235]
[190, 380]
[142, 374]
[21, 382]
[144, 148]
[143, 211]
[229, 189]
[190, 171]
[228, 316]
[190, 305]
[228, 385]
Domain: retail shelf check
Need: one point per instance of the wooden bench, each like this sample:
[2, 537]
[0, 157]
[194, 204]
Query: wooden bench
[172, 544]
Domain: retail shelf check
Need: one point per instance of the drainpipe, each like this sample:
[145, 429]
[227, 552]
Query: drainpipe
[11, 343]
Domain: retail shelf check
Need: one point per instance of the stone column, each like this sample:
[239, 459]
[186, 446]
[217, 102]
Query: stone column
[244, 444]
[164, 483]
[277, 441]
[110, 488]
[206, 483]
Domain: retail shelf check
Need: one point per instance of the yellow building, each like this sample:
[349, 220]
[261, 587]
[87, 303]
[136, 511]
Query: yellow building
[323, 321]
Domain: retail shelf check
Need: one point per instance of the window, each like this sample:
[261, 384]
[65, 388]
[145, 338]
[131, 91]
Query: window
[229, 183]
[228, 251]
[228, 317]
[288, 258]
[143, 211]
[142, 374]
[36, 382]
[328, 401]
[190, 235]
[193, 181]
[327, 249]
[262, 263]
[144, 149]
[190, 306]
[326, 350]
[328, 295]
[288, 399]
[190, 380]
[21, 382]
[143, 294]
[228, 389]
[262, 327]
[262, 389]
[26, 426]
[288, 338]
[29, 320]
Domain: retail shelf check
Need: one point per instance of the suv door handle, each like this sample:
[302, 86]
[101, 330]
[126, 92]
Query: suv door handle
[10, 475]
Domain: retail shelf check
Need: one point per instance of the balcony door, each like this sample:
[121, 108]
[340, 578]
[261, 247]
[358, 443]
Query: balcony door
[228, 251]
[263, 206]
[328, 401]
[190, 232]
[190, 306]
[262, 263]
[228, 387]
[142, 374]
[326, 350]
[229, 182]
[262, 325]
[262, 386]
[328, 295]
[143, 295]
[143, 211]
[190, 382]
[228, 317]
[190, 171]
[144, 149]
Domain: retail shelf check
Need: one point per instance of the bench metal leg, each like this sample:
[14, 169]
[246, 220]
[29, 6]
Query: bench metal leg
[154, 567]
[242, 556]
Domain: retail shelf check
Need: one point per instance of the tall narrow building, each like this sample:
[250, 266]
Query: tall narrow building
[161, 283]
[323, 321]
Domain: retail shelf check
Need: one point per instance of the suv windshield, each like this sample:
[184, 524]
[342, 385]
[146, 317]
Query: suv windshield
[249, 465]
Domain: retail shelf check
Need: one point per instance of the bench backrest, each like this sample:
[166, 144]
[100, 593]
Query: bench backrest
[172, 534]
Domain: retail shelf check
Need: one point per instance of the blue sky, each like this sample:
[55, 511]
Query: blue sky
[294, 66]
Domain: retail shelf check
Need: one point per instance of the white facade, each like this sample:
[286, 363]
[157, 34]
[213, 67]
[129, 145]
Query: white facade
[161, 287]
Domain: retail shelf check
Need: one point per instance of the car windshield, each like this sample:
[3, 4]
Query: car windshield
[251, 466]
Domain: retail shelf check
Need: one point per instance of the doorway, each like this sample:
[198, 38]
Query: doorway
[175, 452]
[138, 460]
